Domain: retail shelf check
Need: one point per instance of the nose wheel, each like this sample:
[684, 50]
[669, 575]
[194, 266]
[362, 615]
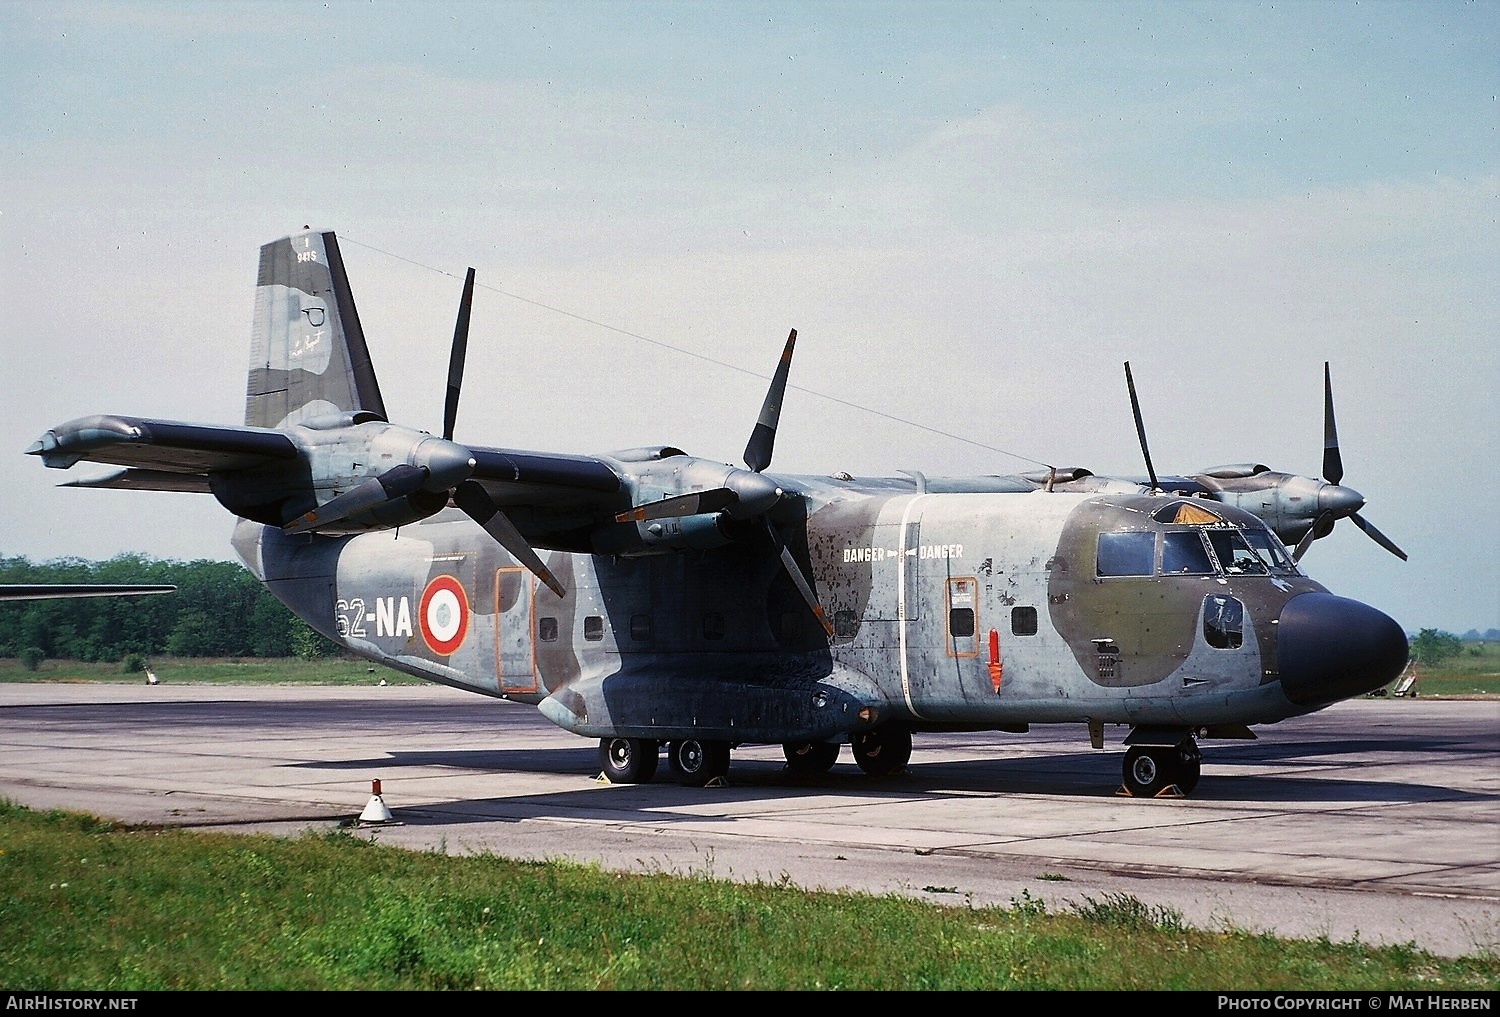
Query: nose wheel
[1150, 770]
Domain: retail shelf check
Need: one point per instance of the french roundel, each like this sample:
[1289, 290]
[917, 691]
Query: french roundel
[444, 615]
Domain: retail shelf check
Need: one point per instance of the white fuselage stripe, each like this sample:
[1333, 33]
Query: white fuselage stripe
[901, 556]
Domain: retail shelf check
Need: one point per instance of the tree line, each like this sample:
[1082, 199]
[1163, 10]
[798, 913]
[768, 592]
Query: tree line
[218, 610]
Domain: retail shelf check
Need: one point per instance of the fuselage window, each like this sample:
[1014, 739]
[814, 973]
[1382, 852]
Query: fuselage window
[845, 624]
[593, 627]
[1183, 554]
[546, 629]
[961, 622]
[713, 625]
[1223, 622]
[1023, 621]
[1126, 554]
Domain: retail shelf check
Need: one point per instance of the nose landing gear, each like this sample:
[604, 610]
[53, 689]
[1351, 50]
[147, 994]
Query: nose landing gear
[1158, 771]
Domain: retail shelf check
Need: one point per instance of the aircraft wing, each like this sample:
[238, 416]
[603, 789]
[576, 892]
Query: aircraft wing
[161, 455]
[517, 478]
[62, 591]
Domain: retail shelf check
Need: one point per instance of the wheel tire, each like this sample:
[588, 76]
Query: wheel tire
[883, 751]
[628, 760]
[1145, 771]
[698, 762]
[1187, 776]
[1186, 766]
[810, 757]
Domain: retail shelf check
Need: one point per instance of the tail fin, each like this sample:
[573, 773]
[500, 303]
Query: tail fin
[307, 351]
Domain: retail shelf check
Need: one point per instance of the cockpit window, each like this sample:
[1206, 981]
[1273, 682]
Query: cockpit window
[1126, 554]
[1271, 551]
[1183, 554]
[1187, 513]
[1235, 556]
[1196, 540]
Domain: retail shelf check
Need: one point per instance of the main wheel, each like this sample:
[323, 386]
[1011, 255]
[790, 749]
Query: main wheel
[811, 757]
[883, 751]
[1147, 769]
[697, 762]
[628, 760]
[1186, 766]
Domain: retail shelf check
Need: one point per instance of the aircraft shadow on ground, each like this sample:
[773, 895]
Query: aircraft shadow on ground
[1081, 775]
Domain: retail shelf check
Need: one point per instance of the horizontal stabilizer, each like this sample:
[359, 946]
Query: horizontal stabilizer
[146, 480]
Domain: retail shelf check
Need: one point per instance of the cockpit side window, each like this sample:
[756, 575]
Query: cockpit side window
[1183, 554]
[1126, 554]
[1235, 556]
[1271, 551]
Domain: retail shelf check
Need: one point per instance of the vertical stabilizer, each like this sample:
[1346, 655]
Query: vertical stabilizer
[307, 351]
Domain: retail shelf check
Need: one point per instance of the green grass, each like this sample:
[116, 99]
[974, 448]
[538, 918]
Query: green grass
[90, 905]
[1474, 672]
[214, 671]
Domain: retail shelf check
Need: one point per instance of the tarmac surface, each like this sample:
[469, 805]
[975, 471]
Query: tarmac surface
[1376, 820]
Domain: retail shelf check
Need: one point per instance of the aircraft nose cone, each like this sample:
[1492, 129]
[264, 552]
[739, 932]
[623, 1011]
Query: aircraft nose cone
[1341, 501]
[1330, 648]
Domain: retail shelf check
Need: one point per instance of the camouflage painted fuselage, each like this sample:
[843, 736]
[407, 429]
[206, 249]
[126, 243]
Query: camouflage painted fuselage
[950, 611]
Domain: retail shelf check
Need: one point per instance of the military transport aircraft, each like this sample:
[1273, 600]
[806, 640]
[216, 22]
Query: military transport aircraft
[672, 605]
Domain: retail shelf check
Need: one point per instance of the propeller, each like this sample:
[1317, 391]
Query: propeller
[746, 494]
[1336, 501]
[1140, 427]
[438, 466]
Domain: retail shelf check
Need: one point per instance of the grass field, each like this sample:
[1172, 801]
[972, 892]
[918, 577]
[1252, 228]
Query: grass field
[91, 905]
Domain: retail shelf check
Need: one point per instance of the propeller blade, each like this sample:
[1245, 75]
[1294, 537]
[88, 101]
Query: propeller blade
[456, 357]
[763, 437]
[716, 500]
[1377, 536]
[397, 482]
[1333, 463]
[1140, 428]
[474, 500]
[799, 580]
[1320, 528]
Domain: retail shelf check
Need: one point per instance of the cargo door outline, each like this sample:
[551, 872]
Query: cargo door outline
[515, 628]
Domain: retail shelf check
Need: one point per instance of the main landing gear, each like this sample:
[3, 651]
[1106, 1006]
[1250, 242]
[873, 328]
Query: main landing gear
[696, 762]
[1151, 770]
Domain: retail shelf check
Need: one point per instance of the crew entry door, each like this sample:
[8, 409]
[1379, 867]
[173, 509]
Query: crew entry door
[515, 623]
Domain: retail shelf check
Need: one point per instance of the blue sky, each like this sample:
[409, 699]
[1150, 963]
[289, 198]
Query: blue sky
[973, 213]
